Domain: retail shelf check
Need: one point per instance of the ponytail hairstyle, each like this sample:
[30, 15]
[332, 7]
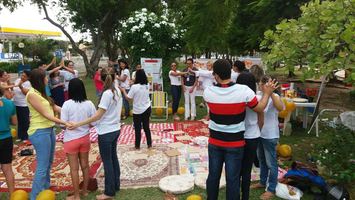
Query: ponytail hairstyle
[36, 79]
[108, 77]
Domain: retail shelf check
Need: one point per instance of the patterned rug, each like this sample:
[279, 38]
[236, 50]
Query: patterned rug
[24, 168]
[193, 128]
[160, 132]
[142, 168]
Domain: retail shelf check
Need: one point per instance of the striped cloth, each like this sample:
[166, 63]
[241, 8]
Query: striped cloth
[227, 104]
[161, 130]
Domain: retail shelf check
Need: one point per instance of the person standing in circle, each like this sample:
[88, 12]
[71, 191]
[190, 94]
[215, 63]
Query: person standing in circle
[189, 83]
[139, 93]
[124, 79]
[7, 116]
[175, 82]
[22, 112]
[108, 117]
[41, 132]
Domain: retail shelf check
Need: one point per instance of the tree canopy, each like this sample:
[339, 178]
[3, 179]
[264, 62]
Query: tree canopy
[323, 38]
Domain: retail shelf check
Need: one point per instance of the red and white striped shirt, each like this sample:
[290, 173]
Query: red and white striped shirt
[227, 104]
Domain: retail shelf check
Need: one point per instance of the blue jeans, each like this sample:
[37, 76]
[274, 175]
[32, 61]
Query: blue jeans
[232, 157]
[268, 163]
[176, 93]
[43, 141]
[126, 105]
[108, 153]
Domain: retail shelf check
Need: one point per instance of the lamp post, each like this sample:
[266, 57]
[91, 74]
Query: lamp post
[21, 45]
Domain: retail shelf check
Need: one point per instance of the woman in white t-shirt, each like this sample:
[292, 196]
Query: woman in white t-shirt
[77, 142]
[253, 124]
[175, 85]
[207, 78]
[124, 79]
[23, 113]
[139, 92]
[108, 117]
[267, 146]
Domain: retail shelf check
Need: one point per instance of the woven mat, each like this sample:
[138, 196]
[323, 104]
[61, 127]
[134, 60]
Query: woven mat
[142, 168]
[24, 168]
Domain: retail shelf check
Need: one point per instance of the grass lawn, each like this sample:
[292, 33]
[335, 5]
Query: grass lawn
[300, 142]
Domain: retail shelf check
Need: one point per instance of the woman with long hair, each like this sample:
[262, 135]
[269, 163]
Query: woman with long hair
[139, 93]
[23, 85]
[41, 132]
[7, 117]
[175, 85]
[108, 127]
[253, 124]
[124, 79]
[77, 142]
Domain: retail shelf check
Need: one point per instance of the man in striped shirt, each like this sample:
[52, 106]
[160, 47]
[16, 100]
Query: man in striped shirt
[227, 102]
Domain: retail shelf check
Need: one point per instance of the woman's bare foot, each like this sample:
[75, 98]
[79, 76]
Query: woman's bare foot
[257, 186]
[73, 197]
[103, 197]
[267, 195]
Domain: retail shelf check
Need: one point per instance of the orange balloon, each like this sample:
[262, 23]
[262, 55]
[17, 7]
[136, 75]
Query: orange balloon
[170, 111]
[285, 151]
[19, 195]
[181, 110]
[159, 111]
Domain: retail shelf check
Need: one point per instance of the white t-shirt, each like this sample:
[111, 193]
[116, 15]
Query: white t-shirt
[111, 120]
[206, 77]
[67, 77]
[125, 84]
[270, 129]
[140, 95]
[19, 97]
[252, 130]
[234, 76]
[75, 112]
[134, 75]
[174, 80]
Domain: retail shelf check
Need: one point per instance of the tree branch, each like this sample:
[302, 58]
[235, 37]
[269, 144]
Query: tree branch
[74, 45]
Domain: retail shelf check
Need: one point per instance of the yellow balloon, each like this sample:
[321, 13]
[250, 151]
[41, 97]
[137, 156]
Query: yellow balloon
[170, 111]
[19, 195]
[46, 195]
[13, 132]
[181, 110]
[285, 151]
[159, 111]
[194, 197]
[290, 106]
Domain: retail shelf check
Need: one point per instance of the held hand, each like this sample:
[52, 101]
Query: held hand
[191, 90]
[71, 125]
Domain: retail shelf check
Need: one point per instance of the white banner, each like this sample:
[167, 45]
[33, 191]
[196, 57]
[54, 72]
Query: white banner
[153, 69]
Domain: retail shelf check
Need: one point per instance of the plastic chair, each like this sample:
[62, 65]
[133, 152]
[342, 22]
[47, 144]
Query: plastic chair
[159, 100]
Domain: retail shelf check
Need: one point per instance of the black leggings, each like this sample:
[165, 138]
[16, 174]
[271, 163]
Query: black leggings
[138, 120]
[247, 164]
[23, 118]
[176, 93]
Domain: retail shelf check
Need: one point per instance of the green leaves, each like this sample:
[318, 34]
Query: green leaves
[323, 37]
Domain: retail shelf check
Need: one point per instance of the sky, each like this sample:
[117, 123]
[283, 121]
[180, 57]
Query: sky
[29, 17]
